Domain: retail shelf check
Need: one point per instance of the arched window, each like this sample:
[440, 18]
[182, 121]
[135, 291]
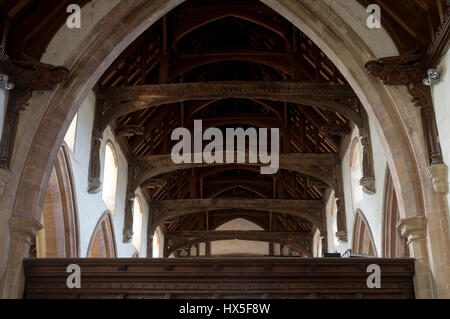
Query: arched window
[156, 245]
[110, 177]
[317, 244]
[334, 217]
[356, 173]
[72, 133]
[59, 236]
[137, 223]
[363, 242]
[102, 243]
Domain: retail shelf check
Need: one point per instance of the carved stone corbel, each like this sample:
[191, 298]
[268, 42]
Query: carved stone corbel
[24, 229]
[412, 228]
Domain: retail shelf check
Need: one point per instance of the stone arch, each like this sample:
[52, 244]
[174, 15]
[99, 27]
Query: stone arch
[393, 243]
[363, 242]
[103, 243]
[390, 110]
[59, 235]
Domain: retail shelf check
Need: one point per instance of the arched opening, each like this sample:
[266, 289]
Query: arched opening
[334, 217]
[137, 223]
[317, 244]
[356, 173]
[59, 235]
[363, 242]
[103, 243]
[393, 243]
[110, 177]
[239, 247]
[156, 245]
[410, 178]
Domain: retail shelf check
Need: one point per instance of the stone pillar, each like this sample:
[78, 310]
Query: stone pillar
[413, 229]
[438, 242]
[23, 231]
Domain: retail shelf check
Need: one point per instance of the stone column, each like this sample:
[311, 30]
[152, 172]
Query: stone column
[413, 229]
[23, 231]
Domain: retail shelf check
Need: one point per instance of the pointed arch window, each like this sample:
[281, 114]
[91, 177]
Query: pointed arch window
[110, 177]
[363, 242]
[334, 227]
[156, 245]
[356, 173]
[103, 244]
[137, 223]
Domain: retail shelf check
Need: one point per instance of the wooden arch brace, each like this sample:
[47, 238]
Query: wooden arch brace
[325, 167]
[26, 77]
[310, 210]
[410, 69]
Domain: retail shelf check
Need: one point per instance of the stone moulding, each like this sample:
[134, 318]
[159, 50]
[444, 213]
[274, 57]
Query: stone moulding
[412, 228]
[438, 177]
[24, 228]
[368, 185]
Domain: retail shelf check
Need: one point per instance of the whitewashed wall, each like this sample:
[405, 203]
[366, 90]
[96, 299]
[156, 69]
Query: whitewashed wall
[441, 97]
[371, 205]
[91, 206]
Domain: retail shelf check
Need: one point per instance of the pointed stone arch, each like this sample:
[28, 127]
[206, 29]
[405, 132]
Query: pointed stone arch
[59, 236]
[363, 242]
[393, 243]
[389, 109]
[103, 243]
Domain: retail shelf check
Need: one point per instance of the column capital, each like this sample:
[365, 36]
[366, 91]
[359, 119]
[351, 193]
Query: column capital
[23, 228]
[412, 228]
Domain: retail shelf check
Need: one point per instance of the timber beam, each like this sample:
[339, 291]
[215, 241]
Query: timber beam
[320, 166]
[25, 78]
[310, 210]
[119, 101]
[300, 241]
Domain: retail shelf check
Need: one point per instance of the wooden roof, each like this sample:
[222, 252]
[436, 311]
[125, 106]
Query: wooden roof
[226, 40]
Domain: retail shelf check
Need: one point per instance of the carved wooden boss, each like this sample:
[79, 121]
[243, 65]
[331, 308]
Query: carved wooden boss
[26, 77]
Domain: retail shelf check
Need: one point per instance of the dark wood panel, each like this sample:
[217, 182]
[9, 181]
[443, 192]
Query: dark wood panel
[219, 278]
